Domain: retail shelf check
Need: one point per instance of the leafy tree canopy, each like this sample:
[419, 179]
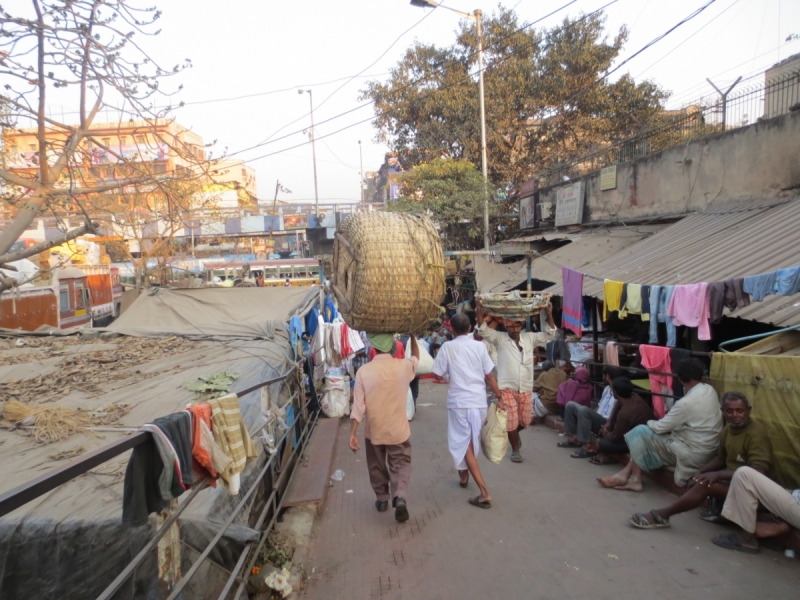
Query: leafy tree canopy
[545, 100]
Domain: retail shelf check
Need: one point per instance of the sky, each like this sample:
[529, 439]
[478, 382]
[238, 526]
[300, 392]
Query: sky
[251, 56]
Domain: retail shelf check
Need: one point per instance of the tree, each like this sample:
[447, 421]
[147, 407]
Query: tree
[451, 191]
[546, 99]
[87, 54]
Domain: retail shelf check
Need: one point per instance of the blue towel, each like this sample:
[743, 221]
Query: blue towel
[296, 332]
[788, 281]
[658, 312]
[760, 286]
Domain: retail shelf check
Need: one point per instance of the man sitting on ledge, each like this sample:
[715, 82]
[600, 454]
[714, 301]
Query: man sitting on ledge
[581, 421]
[743, 442]
[687, 438]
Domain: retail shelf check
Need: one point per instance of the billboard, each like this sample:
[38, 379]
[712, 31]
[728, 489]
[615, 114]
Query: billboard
[294, 221]
[569, 204]
[527, 213]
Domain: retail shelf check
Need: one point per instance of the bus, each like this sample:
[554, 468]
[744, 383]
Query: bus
[298, 271]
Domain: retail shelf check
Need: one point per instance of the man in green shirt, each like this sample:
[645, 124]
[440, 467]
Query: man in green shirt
[743, 442]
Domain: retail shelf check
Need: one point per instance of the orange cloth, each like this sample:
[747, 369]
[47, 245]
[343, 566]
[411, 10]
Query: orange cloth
[202, 458]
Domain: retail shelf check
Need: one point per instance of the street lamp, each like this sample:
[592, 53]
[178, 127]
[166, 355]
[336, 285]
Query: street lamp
[474, 16]
[313, 154]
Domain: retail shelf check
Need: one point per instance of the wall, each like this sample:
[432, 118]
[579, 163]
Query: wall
[760, 161]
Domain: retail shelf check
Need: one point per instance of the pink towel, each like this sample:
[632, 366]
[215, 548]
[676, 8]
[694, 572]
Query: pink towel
[611, 354]
[689, 306]
[656, 358]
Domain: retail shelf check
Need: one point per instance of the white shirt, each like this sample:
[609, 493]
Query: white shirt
[467, 363]
[515, 368]
[489, 348]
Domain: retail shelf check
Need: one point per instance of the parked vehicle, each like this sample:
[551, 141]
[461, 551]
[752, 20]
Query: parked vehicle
[105, 289]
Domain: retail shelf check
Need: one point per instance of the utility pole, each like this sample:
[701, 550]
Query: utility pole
[724, 96]
[361, 172]
[313, 154]
[484, 162]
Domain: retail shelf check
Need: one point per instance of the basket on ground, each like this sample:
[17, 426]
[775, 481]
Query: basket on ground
[514, 305]
[388, 272]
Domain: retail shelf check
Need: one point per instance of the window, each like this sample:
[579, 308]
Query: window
[81, 296]
[109, 172]
[140, 140]
[106, 142]
[244, 172]
[63, 298]
[123, 140]
[32, 147]
[160, 167]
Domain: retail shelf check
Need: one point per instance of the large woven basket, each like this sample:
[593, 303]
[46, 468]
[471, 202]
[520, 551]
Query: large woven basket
[514, 305]
[388, 272]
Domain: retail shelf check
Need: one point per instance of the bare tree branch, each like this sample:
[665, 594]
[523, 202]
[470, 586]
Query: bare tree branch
[46, 245]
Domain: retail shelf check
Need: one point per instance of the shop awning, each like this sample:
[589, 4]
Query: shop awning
[579, 250]
[726, 240]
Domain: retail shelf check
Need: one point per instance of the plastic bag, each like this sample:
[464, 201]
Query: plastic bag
[425, 366]
[411, 409]
[335, 400]
[494, 439]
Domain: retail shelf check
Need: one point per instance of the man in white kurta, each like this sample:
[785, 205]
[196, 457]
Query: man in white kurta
[470, 368]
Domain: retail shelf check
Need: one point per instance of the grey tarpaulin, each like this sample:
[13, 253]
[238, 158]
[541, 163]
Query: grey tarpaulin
[71, 543]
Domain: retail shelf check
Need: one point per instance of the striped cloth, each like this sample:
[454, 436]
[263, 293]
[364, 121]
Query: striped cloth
[231, 434]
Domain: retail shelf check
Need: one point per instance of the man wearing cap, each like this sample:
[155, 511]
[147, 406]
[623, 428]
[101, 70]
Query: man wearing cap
[515, 370]
[380, 395]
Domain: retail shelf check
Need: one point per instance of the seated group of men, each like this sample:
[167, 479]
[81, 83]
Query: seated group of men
[717, 450]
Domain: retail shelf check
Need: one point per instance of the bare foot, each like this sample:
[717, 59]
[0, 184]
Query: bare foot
[486, 498]
[633, 485]
[611, 482]
[768, 529]
[463, 478]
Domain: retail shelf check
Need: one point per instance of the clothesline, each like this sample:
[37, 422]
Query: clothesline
[633, 345]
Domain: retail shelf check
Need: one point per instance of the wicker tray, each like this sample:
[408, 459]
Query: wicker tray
[514, 305]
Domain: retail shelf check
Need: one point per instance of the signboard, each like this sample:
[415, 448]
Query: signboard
[527, 213]
[294, 222]
[608, 178]
[569, 204]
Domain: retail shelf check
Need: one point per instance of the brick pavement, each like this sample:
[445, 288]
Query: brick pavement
[552, 533]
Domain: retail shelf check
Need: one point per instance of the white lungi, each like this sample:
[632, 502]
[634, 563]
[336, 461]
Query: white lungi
[464, 426]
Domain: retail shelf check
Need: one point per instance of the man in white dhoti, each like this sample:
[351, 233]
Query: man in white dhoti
[470, 368]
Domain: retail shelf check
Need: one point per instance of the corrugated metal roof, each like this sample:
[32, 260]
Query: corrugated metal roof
[585, 249]
[734, 239]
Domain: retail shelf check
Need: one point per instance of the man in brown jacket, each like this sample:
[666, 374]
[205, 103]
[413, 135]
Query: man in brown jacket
[546, 387]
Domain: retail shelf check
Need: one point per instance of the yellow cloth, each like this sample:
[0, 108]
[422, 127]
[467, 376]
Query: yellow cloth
[633, 303]
[231, 434]
[612, 296]
[772, 384]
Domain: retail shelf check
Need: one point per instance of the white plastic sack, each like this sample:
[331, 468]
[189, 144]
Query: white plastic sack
[335, 400]
[410, 408]
[425, 366]
[494, 439]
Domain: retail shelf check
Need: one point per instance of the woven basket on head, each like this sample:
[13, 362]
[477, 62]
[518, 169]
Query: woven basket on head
[388, 272]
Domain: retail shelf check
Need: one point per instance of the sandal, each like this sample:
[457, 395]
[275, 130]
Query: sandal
[731, 542]
[464, 483]
[567, 445]
[639, 520]
[601, 459]
[515, 457]
[712, 516]
[476, 501]
[583, 453]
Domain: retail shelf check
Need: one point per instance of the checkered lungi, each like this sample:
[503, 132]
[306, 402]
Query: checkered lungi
[518, 406]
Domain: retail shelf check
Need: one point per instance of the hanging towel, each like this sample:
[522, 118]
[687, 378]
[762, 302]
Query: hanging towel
[312, 321]
[736, 287]
[788, 281]
[716, 301]
[633, 300]
[655, 292]
[141, 494]
[173, 437]
[611, 354]
[760, 286]
[612, 295]
[657, 358]
[201, 413]
[725, 294]
[231, 435]
[572, 300]
[664, 299]
[689, 306]
[645, 303]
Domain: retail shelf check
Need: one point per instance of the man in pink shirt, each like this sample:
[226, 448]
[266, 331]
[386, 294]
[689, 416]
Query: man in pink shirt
[380, 396]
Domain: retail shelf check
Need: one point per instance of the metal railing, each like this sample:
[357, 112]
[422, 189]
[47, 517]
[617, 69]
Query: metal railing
[710, 114]
[27, 492]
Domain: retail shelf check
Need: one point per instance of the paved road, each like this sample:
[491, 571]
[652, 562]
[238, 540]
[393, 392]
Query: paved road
[552, 533]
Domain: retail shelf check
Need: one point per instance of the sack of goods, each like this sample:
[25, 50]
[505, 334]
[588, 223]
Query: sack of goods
[494, 440]
[335, 400]
[388, 272]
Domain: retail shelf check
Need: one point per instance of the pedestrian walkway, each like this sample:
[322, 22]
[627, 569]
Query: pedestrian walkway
[552, 533]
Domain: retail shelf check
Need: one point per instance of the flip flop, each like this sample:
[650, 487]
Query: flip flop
[476, 501]
[731, 542]
[567, 445]
[463, 484]
[515, 457]
[601, 459]
[639, 520]
[583, 453]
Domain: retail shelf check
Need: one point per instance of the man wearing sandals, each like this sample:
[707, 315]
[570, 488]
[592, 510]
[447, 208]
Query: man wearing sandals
[749, 488]
[515, 370]
[470, 368]
[743, 442]
[686, 438]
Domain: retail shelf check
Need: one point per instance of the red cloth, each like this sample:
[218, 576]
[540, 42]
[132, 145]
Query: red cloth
[200, 457]
[346, 349]
[656, 358]
[399, 352]
[578, 389]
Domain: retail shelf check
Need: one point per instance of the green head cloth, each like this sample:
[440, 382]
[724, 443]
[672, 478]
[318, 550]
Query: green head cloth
[382, 342]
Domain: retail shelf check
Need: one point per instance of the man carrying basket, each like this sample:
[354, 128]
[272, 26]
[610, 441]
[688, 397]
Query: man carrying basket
[515, 370]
